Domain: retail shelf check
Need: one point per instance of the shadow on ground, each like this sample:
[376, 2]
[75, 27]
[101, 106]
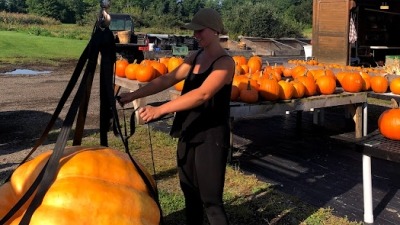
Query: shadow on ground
[20, 130]
[308, 163]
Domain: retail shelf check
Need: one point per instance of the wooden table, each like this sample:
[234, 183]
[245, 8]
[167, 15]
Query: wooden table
[377, 146]
[384, 96]
[356, 103]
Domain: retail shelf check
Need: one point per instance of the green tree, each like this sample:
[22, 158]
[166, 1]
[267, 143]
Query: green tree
[17, 6]
[259, 20]
[47, 8]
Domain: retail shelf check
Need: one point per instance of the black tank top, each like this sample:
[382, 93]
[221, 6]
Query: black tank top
[208, 122]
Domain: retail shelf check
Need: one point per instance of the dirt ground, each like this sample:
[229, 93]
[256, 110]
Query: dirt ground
[27, 103]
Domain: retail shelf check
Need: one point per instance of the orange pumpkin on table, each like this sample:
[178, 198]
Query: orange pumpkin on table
[326, 85]
[309, 84]
[130, 71]
[395, 86]
[95, 185]
[379, 84]
[120, 66]
[389, 122]
[269, 89]
[248, 95]
[145, 73]
[352, 82]
[286, 90]
[179, 86]
[299, 89]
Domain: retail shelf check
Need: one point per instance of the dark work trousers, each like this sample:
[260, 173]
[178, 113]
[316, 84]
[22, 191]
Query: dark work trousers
[201, 168]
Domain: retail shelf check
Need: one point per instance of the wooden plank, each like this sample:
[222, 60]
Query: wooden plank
[266, 109]
[331, 31]
[384, 96]
[129, 84]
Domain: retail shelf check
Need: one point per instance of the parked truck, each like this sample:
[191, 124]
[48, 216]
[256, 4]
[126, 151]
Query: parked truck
[131, 47]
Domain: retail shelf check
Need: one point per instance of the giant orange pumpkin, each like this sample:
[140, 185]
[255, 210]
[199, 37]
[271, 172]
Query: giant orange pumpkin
[93, 186]
[389, 123]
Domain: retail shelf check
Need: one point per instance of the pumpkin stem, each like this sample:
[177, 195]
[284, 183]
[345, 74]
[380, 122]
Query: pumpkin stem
[395, 104]
[248, 85]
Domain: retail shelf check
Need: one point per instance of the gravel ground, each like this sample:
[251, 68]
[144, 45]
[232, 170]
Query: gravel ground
[27, 103]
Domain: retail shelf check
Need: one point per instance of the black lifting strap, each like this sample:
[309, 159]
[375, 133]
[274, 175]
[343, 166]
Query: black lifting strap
[70, 86]
[101, 41]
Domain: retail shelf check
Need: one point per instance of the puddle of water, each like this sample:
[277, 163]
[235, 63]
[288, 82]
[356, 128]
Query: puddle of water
[26, 72]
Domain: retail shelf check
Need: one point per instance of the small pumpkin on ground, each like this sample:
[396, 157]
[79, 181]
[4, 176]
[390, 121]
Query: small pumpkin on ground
[93, 186]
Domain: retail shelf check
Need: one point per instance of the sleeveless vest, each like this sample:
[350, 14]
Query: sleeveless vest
[208, 122]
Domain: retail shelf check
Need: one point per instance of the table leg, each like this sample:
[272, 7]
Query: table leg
[365, 119]
[136, 104]
[367, 189]
[358, 119]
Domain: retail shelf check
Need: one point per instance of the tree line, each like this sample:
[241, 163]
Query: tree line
[258, 18]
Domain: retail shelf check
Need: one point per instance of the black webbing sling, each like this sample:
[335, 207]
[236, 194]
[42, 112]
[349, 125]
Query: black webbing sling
[102, 41]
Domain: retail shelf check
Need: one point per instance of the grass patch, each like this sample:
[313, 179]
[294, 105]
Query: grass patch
[19, 48]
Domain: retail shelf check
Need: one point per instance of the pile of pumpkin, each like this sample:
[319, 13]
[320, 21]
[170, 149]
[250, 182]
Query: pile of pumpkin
[147, 69]
[254, 82]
